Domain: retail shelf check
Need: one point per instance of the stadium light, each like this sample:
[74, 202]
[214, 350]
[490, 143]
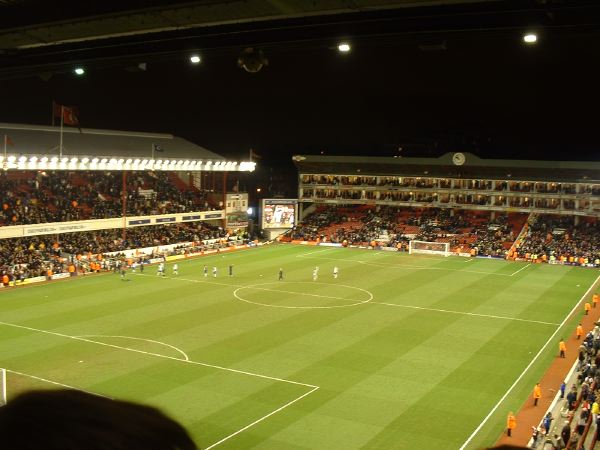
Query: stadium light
[79, 71]
[195, 59]
[344, 47]
[530, 38]
[44, 162]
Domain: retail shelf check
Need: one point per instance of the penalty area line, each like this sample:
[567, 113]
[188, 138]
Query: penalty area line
[158, 355]
[522, 268]
[262, 418]
[56, 383]
[297, 383]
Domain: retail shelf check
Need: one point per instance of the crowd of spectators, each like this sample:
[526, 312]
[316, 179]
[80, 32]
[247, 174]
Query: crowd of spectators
[558, 238]
[548, 238]
[575, 420]
[43, 197]
[446, 192]
[36, 255]
[466, 231]
[448, 183]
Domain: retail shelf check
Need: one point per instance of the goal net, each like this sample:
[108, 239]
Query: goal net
[429, 248]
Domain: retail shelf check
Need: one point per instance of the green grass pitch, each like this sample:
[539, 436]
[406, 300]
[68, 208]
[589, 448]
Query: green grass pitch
[398, 352]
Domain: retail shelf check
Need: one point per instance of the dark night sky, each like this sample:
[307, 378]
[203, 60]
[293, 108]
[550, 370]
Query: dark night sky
[488, 93]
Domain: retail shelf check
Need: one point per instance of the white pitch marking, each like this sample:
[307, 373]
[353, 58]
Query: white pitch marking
[407, 266]
[262, 418]
[506, 394]
[255, 286]
[449, 311]
[185, 356]
[403, 266]
[522, 268]
[312, 386]
[235, 294]
[157, 354]
[313, 252]
[54, 382]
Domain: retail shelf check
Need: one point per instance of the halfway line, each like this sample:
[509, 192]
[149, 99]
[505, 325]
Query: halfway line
[489, 316]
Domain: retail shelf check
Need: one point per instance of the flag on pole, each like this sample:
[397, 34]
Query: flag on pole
[254, 155]
[69, 114]
[8, 140]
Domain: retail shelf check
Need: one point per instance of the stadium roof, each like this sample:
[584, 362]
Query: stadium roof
[45, 140]
[472, 167]
[31, 147]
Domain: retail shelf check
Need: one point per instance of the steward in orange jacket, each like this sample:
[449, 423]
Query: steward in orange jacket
[537, 394]
[511, 423]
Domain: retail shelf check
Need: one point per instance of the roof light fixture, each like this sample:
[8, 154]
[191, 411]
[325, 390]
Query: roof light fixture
[344, 47]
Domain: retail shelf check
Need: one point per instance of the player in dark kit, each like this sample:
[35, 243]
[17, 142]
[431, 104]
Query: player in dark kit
[281, 274]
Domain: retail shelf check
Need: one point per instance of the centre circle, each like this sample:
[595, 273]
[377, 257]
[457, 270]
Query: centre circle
[301, 295]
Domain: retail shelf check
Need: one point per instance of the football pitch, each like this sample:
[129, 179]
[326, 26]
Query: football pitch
[399, 352]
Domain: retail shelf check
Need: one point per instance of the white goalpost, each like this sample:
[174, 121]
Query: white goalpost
[429, 248]
[2, 387]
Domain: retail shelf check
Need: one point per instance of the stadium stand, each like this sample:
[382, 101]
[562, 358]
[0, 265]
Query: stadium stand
[37, 255]
[466, 231]
[45, 197]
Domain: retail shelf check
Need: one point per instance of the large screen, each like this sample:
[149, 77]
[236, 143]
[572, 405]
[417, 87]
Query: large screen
[279, 213]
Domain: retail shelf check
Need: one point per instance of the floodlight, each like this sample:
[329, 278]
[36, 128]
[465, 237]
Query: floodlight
[195, 59]
[344, 47]
[530, 38]
[79, 71]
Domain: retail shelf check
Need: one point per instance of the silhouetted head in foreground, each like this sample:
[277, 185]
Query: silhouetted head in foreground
[74, 420]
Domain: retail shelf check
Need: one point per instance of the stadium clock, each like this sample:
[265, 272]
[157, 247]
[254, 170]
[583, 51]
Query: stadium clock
[458, 159]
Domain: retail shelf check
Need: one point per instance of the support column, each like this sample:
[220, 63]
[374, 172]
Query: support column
[124, 205]
[225, 199]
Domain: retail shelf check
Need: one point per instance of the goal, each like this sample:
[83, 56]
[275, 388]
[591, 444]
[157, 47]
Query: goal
[2, 387]
[429, 248]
